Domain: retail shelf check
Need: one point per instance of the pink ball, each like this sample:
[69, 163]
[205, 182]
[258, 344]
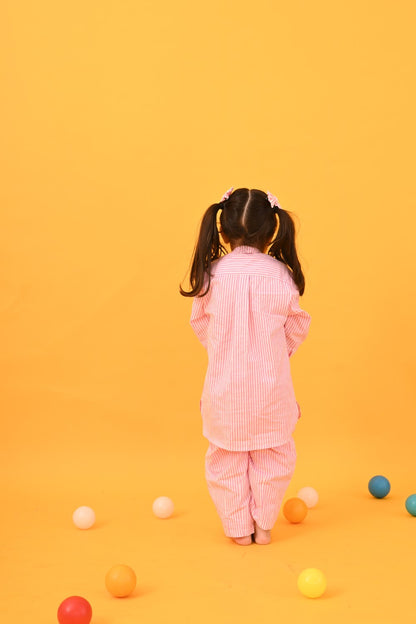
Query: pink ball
[83, 517]
[309, 496]
[163, 507]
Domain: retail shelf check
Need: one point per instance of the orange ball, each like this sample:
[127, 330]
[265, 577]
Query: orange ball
[120, 580]
[295, 510]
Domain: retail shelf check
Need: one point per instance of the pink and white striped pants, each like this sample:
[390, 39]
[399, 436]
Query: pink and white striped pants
[248, 487]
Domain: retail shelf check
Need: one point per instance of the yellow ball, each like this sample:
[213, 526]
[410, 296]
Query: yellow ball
[312, 583]
[120, 581]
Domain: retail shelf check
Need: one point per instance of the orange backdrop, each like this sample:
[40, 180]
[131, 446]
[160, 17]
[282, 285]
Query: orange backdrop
[121, 122]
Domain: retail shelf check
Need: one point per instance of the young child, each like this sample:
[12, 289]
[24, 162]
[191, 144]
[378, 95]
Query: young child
[246, 314]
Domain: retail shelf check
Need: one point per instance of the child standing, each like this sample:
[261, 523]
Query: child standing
[246, 314]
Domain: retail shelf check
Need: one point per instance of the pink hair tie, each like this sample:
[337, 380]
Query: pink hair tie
[273, 200]
[227, 194]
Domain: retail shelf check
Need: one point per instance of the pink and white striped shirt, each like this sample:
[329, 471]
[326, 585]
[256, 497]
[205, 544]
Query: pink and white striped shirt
[250, 323]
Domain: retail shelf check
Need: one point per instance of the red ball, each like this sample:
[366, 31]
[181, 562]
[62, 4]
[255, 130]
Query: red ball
[74, 610]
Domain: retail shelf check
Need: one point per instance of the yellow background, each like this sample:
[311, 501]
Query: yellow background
[121, 122]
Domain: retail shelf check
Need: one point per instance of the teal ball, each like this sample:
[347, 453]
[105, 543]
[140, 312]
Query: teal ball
[411, 504]
[379, 486]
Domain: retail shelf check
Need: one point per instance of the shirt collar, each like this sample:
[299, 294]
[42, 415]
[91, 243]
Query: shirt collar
[245, 249]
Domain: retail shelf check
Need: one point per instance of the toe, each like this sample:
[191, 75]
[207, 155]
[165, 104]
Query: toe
[243, 541]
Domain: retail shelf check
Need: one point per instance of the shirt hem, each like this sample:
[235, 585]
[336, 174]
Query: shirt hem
[250, 446]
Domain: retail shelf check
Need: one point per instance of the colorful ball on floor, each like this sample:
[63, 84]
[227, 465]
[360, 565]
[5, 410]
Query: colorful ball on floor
[83, 517]
[120, 581]
[74, 610]
[411, 504]
[379, 486]
[295, 510]
[163, 507]
[312, 583]
[309, 496]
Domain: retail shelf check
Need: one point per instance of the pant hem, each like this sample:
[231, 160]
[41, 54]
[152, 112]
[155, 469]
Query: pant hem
[232, 534]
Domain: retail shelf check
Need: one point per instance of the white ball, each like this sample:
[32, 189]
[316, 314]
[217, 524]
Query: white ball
[309, 496]
[83, 517]
[163, 507]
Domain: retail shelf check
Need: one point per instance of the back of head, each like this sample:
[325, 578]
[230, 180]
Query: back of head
[247, 218]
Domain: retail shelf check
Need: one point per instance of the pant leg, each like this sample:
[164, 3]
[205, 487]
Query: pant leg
[270, 472]
[227, 478]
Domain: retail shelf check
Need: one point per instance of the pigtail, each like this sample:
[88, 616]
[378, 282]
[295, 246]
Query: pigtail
[207, 249]
[284, 248]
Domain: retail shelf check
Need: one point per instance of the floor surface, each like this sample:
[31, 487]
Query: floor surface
[65, 453]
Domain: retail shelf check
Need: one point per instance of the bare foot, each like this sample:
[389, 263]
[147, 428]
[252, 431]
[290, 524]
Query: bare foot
[242, 541]
[261, 536]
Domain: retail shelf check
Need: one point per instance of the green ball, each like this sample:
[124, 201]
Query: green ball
[411, 504]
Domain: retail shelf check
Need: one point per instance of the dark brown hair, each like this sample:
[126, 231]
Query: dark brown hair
[247, 218]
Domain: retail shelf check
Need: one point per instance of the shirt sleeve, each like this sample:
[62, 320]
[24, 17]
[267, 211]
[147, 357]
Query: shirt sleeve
[296, 325]
[200, 319]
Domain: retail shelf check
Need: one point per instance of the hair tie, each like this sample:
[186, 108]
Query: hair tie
[227, 194]
[273, 200]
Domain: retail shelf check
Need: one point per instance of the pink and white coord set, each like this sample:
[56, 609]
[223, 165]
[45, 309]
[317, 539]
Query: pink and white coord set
[250, 323]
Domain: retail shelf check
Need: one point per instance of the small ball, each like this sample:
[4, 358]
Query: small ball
[312, 583]
[163, 507]
[379, 486]
[411, 504]
[83, 517]
[120, 580]
[295, 510]
[74, 610]
[309, 496]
